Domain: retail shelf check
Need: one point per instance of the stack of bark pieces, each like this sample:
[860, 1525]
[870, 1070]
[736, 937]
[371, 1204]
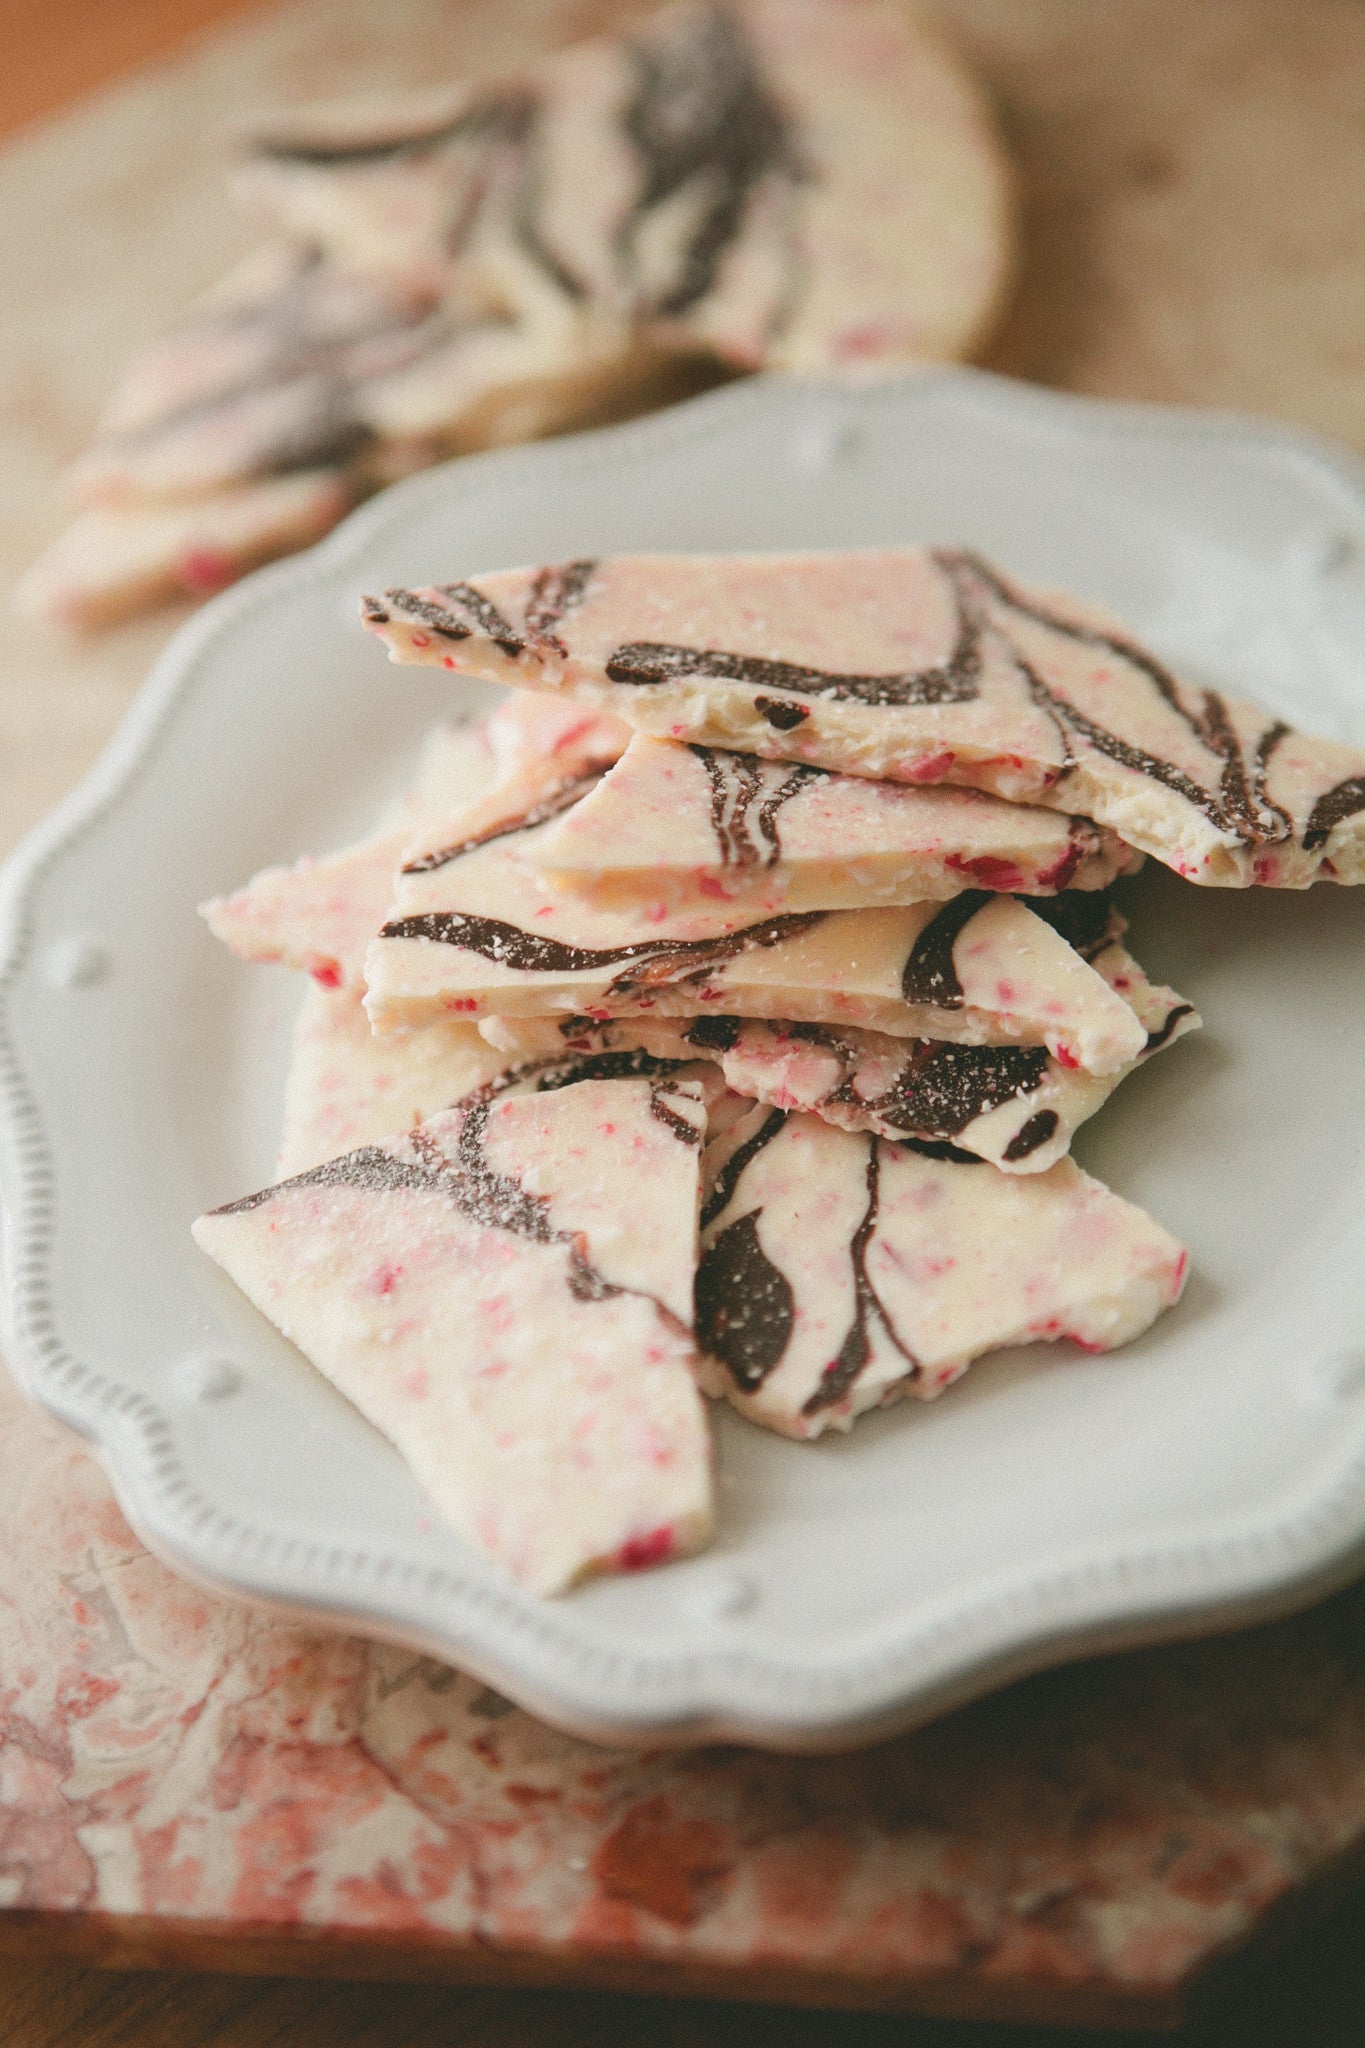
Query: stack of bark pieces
[790, 185]
[719, 1014]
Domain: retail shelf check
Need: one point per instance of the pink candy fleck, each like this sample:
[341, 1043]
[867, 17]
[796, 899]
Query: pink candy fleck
[638, 1553]
[206, 569]
[990, 871]
[930, 767]
[326, 973]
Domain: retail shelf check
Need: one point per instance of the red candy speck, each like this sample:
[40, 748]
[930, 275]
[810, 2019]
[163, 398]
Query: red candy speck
[990, 871]
[206, 569]
[326, 973]
[930, 767]
[1066, 1058]
[638, 1553]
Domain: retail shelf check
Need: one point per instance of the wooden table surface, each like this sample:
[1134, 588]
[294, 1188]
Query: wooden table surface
[1193, 187]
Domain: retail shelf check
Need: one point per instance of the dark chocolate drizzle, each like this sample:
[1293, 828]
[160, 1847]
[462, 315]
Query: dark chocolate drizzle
[939, 1148]
[562, 796]
[659, 962]
[783, 717]
[1239, 806]
[704, 126]
[650, 661]
[735, 781]
[929, 975]
[1040, 1127]
[307, 350]
[714, 1034]
[493, 147]
[943, 1088]
[727, 1179]
[856, 1350]
[488, 114]
[555, 593]
[627, 1064]
[745, 1308]
[1156, 1039]
[1083, 917]
[1331, 809]
[492, 1200]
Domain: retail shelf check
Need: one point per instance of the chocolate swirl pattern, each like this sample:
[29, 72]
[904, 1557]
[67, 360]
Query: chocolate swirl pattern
[539, 1385]
[1038, 700]
[1010, 1104]
[558, 798]
[715, 189]
[736, 780]
[653, 962]
[840, 1271]
[706, 130]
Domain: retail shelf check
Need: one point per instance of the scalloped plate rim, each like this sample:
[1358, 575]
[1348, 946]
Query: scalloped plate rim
[1111, 1602]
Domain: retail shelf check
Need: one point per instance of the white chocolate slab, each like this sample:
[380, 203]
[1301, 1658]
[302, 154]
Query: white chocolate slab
[485, 1296]
[113, 561]
[320, 914]
[785, 184]
[473, 933]
[350, 1086]
[1012, 1105]
[682, 827]
[782, 183]
[920, 666]
[840, 1272]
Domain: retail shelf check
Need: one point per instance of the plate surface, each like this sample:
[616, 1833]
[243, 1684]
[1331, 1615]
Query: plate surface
[1052, 1503]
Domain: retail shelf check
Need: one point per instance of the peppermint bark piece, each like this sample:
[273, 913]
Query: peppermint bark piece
[489, 1296]
[919, 666]
[473, 933]
[116, 560]
[320, 914]
[779, 183]
[840, 1272]
[683, 826]
[350, 1086]
[1010, 1104]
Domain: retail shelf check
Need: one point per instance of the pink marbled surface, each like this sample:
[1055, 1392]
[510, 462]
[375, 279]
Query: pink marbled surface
[1100, 1831]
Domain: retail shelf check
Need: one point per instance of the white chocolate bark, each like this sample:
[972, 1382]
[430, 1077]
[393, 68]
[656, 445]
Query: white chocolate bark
[113, 561]
[320, 914]
[1012, 1105]
[922, 667]
[489, 1293]
[473, 933]
[554, 736]
[350, 1086]
[682, 827]
[839, 1272]
[782, 183]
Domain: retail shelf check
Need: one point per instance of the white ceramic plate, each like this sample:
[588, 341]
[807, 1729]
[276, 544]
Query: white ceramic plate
[1053, 1503]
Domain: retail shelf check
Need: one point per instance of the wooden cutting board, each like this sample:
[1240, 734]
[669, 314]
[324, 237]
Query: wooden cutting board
[184, 1779]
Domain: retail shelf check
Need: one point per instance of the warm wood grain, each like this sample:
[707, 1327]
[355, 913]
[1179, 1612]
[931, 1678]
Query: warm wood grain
[1311, 1997]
